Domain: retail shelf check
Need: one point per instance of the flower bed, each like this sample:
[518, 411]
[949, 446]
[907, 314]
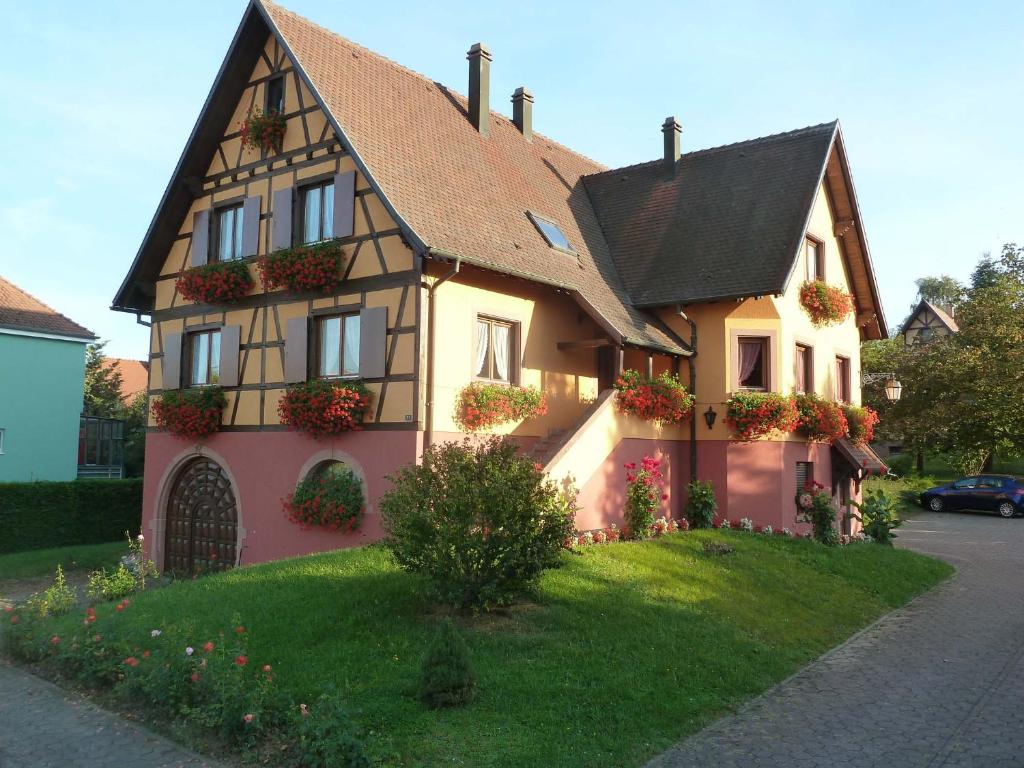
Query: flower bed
[825, 304]
[862, 422]
[480, 406]
[302, 268]
[222, 282]
[322, 407]
[190, 413]
[331, 499]
[662, 399]
[751, 415]
[263, 130]
[820, 420]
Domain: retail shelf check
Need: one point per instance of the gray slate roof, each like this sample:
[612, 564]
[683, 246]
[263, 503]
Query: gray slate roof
[728, 223]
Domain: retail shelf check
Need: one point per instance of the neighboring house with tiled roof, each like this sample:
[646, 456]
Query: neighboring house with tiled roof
[476, 250]
[41, 382]
[134, 376]
[928, 322]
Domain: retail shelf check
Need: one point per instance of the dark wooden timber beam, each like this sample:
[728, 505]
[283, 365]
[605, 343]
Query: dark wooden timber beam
[584, 344]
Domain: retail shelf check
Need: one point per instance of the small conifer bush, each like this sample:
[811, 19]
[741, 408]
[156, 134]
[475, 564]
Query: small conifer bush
[447, 679]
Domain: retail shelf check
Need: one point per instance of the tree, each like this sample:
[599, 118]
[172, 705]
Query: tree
[102, 384]
[943, 291]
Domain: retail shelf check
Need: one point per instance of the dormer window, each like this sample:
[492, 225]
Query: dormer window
[551, 232]
[275, 96]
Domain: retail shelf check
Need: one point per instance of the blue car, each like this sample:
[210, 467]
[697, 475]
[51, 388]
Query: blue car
[982, 493]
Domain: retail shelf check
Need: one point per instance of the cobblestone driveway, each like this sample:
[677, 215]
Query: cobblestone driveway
[939, 683]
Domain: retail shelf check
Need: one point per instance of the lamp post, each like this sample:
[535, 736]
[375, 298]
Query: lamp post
[893, 388]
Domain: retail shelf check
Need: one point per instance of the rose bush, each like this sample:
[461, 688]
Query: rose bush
[222, 282]
[302, 268]
[751, 415]
[324, 407]
[643, 496]
[480, 406]
[190, 413]
[662, 399]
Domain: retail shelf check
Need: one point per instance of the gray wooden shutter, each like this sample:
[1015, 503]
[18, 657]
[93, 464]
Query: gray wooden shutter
[251, 226]
[230, 336]
[296, 350]
[200, 238]
[373, 333]
[344, 203]
[170, 364]
[282, 229]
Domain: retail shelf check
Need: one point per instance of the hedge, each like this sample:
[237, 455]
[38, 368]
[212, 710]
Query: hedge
[59, 514]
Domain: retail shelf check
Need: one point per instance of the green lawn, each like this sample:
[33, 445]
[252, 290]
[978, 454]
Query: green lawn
[43, 562]
[627, 647]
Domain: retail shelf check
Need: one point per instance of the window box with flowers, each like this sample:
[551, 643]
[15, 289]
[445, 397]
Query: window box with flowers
[662, 399]
[222, 282]
[330, 497]
[752, 415]
[480, 405]
[825, 304]
[862, 422]
[820, 420]
[303, 268]
[324, 407]
[190, 413]
[263, 130]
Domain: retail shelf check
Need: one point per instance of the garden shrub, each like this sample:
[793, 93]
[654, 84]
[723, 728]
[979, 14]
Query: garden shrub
[331, 498]
[814, 506]
[119, 583]
[478, 519]
[701, 505]
[877, 514]
[643, 496]
[447, 679]
[323, 736]
[60, 514]
[56, 600]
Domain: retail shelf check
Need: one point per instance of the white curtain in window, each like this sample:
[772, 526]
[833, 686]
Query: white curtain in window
[351, 362]
[330, 346]
[215, 357]
[482, 330]
[502, 349]
[750, 355]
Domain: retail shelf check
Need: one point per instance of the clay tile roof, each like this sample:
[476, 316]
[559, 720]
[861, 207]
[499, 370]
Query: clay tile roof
[728, 223]
[134, 376]
[460, 192]
[21, 311]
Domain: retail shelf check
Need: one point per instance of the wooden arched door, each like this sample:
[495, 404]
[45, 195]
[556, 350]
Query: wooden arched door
[201, 531]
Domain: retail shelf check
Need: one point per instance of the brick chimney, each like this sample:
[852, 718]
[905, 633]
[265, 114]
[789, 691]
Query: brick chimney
[479, 87]
[522, 112]
[671, 130]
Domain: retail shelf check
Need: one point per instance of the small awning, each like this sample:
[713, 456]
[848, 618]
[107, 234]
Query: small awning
[861, 458]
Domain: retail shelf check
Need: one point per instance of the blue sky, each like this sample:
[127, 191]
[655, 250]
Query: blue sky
[100, 97]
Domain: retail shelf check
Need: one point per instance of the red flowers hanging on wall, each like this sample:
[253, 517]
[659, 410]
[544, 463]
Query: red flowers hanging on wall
[662, 399]
[302, 268]
[190, 413]
[223, 282]
[820, 420]
[825, 304]
[486, 405]
[751, 415]
[862, 421]
[263, 130]
[330, 498]
[322, 407]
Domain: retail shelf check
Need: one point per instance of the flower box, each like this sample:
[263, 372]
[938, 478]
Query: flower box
[819, 420]
[487, 405]
[825, 304]
[190, 413]
[751, 415]
[323, 407]
[263, 130]
[302, 268]
[223, 282]
[861, 423]
[662, 399]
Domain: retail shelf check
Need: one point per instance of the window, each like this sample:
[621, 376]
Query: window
[966, 484]
[275, 96]
[338, 345]
[551, 232]
[318, 212]
[990, 482]
[204, 358]
[2, 431]
[815, 252]
[494, 358]
[227, 235]
[804, 369]
[804, 474]
[842, 379]
[753, 362]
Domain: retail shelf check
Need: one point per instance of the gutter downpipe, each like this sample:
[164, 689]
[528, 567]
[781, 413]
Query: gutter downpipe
[693, 391]
[428, 427]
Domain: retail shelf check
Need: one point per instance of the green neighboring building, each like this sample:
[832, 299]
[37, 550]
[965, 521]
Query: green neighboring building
[42, 374]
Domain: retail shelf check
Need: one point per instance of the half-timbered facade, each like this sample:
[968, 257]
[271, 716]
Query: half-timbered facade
[473, 250]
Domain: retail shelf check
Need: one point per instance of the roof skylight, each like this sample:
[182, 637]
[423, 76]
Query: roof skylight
[551, 232]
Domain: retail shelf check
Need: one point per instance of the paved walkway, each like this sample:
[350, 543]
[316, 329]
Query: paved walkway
[42, 726]
[939, 683]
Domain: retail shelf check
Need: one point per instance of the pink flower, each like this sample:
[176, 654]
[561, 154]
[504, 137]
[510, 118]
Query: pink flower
[241, 660]
[131, 661]
[54, 640]
[248, 718]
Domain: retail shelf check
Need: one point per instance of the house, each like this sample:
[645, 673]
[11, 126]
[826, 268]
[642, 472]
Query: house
[41, 383]
[478, 250]
[134, 376]
[928, 322]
